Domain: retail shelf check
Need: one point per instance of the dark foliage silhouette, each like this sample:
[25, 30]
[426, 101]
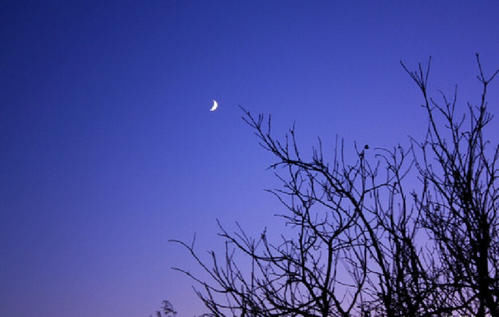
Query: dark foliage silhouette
[167, 310]
[361, 241]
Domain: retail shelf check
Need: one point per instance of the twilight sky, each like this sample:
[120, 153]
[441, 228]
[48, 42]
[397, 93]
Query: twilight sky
[108, 148]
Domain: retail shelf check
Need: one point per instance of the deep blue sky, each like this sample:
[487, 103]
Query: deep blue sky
[108, 148]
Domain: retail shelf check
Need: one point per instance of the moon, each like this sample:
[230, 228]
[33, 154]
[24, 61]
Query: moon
[215, 105]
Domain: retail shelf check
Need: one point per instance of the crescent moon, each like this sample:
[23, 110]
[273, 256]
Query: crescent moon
[215, 106]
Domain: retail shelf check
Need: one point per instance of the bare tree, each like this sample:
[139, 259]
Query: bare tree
[460, 201]
[361, 242]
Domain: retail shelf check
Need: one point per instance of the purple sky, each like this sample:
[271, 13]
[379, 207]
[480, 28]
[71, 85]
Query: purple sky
[108, 148]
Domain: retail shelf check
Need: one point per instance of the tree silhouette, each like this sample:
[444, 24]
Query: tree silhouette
[361, 241]
[167, 310]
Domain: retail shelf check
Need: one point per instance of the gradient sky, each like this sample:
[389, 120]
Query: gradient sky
[108, 148]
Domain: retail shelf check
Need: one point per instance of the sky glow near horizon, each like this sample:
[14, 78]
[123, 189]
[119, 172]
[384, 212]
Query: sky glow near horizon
[109, 150]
